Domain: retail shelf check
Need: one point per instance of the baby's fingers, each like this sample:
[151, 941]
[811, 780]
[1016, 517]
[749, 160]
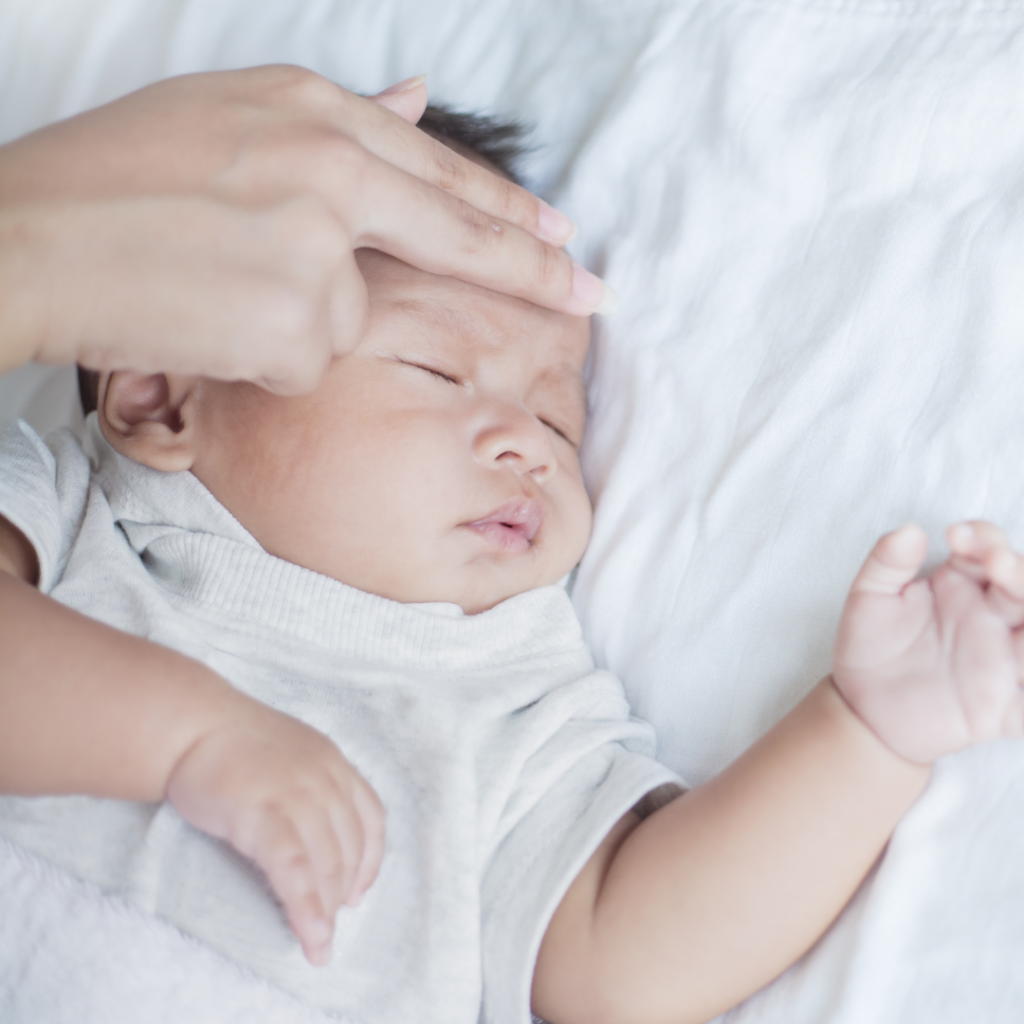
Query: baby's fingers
[283, 854]
[893, 562]
[981, 551]
[335, 843]
[1013, 721]
[971, 544]
[371, 813]
[1014, 724]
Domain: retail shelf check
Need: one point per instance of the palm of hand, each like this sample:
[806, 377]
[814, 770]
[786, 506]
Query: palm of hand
[931, 666]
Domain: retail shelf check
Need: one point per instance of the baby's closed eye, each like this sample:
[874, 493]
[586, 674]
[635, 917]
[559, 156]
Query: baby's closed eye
[561, 433]
[433, 371]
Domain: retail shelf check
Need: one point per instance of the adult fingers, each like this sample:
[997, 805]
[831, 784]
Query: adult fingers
[384, 207]
[893, 562]
[404, 146]
[426, 227]
[395, 188]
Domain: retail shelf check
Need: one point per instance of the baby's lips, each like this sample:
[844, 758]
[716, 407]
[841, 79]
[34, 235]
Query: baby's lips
[523, 514]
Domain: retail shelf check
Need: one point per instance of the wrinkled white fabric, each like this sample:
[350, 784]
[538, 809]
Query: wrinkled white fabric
[71, 954]
[813, 211]
[502, 757]
[934, 936]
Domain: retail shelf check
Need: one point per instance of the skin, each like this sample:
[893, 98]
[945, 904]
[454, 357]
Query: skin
[456, 402]
[207, 224]
[380, 425]
[681, 916]
[674, 918]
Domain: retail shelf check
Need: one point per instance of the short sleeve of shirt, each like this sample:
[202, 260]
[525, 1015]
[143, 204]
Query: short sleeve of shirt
[44, 488]
[594, 767]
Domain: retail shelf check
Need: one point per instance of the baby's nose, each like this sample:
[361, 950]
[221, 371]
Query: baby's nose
[517, 439]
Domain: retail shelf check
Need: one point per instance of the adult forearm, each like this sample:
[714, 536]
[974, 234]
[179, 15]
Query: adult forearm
[718, 892]
[85, 708]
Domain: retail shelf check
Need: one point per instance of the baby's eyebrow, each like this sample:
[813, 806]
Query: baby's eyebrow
[450, 321]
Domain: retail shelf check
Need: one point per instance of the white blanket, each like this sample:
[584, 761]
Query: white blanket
[935, 935]
[70, 955]
[813, 211]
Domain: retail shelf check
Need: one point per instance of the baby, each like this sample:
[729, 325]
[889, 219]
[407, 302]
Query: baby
[415, 753]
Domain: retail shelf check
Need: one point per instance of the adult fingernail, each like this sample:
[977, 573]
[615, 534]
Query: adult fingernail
[590, 291]
[554, 226]
[405, 86]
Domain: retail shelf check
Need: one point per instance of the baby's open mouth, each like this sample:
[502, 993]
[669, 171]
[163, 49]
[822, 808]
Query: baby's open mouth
[513, 526]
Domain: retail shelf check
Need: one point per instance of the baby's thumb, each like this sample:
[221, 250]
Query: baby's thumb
[894, 561]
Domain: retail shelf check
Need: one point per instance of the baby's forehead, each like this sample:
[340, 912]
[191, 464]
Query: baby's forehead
[447, 313]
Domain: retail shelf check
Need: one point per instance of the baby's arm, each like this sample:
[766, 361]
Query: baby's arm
[87, 709]
[682, 915]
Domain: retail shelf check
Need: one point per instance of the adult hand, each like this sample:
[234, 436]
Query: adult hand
[207, 224]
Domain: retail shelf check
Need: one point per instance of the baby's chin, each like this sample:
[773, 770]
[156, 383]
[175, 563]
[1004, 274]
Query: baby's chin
[480, 594]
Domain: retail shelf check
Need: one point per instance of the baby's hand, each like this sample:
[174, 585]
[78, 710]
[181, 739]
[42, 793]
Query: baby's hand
[933, 665]
[281, 793]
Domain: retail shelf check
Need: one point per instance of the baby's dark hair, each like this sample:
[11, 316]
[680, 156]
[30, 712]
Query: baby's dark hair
[499, 142]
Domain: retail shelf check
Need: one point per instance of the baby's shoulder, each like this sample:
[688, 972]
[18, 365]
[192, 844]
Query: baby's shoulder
[44, 490]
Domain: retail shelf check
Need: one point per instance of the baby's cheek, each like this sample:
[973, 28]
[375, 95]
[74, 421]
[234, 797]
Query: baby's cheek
[579, 520]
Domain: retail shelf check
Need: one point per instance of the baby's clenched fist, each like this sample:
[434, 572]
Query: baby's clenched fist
[282, 794]
[933, 665]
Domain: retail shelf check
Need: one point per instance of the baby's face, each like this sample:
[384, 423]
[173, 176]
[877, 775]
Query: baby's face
[437, 462]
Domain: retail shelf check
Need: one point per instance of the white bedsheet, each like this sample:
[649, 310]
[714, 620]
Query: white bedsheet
[815, 213]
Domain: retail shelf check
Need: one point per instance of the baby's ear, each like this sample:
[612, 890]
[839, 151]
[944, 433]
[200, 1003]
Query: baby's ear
[150, 418]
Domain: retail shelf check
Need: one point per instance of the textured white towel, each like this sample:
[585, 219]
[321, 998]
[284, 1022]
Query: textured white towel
[71, 955]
